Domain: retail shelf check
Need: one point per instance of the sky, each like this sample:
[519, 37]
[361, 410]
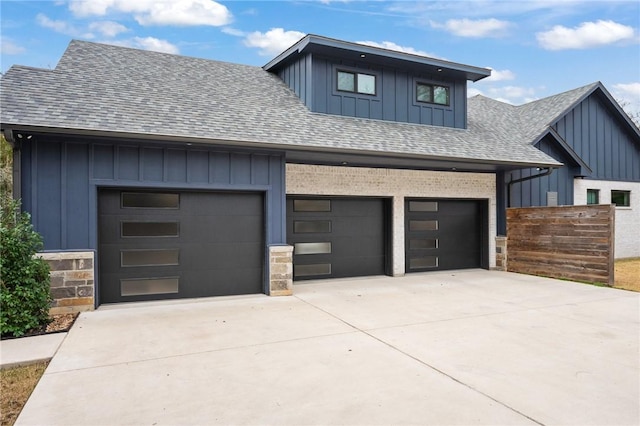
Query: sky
[536, 48]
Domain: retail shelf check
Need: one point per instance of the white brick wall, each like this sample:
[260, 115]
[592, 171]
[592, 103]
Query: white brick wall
[627, 238]
[396, 184]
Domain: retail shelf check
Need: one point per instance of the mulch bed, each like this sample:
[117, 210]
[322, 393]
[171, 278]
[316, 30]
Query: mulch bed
[59, 324]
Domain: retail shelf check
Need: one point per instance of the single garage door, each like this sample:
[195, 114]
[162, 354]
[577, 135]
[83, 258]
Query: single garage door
[166, 245]
[336, 237]
[445, 234]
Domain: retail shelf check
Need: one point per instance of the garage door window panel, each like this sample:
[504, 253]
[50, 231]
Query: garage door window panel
[147, 286]
[311, 226]
[152, 257]
[423, 225]
[150, 229]
[150, 200]
[311, 205]
[312, 269]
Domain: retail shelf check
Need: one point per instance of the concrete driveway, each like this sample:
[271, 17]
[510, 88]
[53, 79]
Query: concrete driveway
[462, 347]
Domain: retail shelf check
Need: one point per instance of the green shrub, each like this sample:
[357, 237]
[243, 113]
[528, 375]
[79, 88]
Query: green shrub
[25, 297]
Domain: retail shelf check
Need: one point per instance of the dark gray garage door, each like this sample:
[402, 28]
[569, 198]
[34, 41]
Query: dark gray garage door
[164, 245]
[445, 234]
[336, 237]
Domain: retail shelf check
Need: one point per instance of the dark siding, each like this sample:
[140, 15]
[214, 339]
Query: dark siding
[533, 192]
[61, 177]
[600, 139]
[297, 76]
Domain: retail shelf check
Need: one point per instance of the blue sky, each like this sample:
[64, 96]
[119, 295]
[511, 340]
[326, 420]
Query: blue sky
[535, 47]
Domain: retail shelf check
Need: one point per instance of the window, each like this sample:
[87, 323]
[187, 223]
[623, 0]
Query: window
[621, 198]
[593, 196]
[357, 82]
[432, 93]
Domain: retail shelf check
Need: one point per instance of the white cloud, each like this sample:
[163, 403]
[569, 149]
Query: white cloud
[514, 95]
[393, 46]
[233, 31]
[630, 89]
[474, 28]
[147, 43]
[155, 12]
[472, 91]
[628, 95]
[8, 47]
[274, 41]
[62, 27]
[108, 28]
[584, 36]
[499, 75]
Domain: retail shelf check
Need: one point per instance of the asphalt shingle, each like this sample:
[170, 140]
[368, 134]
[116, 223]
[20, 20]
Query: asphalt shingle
[98, 87]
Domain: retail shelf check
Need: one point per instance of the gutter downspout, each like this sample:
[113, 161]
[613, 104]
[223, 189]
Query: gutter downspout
[546, 173]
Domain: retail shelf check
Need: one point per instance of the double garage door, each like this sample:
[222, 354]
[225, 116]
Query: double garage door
[347, 237]
[165, 244]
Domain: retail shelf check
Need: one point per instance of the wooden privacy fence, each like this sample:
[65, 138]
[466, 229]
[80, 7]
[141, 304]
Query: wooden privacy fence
[572, 242]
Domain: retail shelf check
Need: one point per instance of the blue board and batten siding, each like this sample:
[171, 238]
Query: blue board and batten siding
[61, 178]
[534, 192]
[597, 136]
[313, 79]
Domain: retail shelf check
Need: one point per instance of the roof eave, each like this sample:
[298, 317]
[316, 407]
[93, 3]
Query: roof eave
[472, 73]
[269, 146]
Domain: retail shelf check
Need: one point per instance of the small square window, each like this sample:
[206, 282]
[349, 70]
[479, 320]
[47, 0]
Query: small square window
[593, 196]
[621, 198]
[346, 81]
[423, 93]
[441, 95]
[367, 84]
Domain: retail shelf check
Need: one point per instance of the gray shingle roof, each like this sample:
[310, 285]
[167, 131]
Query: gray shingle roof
[105, 88]
[526, 123]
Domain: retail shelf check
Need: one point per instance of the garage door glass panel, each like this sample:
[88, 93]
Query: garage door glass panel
[423, 243]
[423, 206]
[423, 262]
[150, 229]
[144, 286]
[312, 205]
[150, 200]
[311, 226]
[313, 269]
[149, 257]
[312, 248]
[423, 225]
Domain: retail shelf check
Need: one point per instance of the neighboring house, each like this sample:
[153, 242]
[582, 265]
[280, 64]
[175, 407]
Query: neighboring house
[599, 145]
[184, 176]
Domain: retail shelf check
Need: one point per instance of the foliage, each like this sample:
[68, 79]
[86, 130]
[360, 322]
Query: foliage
[6, 163]
[24, 278]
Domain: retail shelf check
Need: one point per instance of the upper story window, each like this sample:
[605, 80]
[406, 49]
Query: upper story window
[621, 198]
[356, 82]
[432, 93]
[593, 196]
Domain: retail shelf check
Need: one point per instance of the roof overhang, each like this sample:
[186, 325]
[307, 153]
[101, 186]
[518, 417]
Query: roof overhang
[360, 52]
[585, 170]
[295, 154]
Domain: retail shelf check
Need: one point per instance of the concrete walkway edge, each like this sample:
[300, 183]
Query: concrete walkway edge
[29, 350]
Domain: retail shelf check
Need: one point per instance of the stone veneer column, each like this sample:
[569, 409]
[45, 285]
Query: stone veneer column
[501, 253]
[72, 281]
[280, 270]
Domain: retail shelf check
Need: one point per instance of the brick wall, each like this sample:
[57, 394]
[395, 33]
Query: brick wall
[572, 242]
[72, 281]
[395, 184]
[627, 218]
[280, 270]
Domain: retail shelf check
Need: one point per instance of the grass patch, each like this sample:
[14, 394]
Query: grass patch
[17, 385]
[627, 274]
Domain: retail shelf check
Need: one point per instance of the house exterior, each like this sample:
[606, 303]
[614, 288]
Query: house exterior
[179, 177]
